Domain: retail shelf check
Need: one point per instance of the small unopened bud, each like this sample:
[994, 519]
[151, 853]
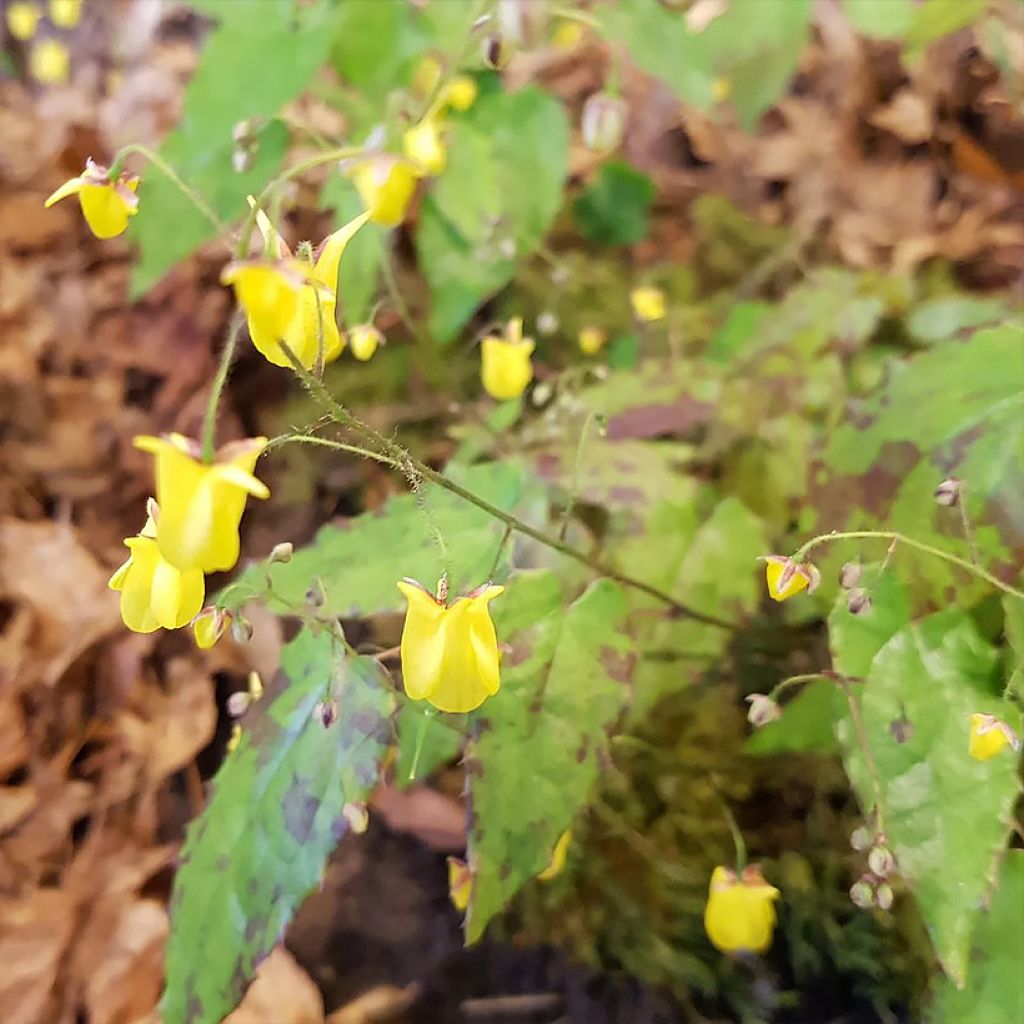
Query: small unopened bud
[255, 684]
[861, 838]
[241, 630]
[901, 729]
[496, 52]
[241, 160]
[948, 492]
[884, 896]
[850, 574]
[547, 323]
[315, 596]
[507, 248]
[326, 713]
[542, 393]
[762, 710]
[210, 625]
[881, 861]
[281, 552]
[859, 602]
[862, 894]
[603, 122]
[238, 703]
[442, 589]
[357, 817]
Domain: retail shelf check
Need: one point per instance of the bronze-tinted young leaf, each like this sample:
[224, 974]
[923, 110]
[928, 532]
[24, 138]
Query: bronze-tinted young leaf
[276, 813]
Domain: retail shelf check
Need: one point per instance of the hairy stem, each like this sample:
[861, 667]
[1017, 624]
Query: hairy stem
[227, 356]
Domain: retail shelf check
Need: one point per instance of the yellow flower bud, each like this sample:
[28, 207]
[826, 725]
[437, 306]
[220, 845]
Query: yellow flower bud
[591, 340]
[505, 367]
[567, 34]
[648, 303]
[988, 737]
[460, 883]
[427, 76]
[423, 146]
[106, 204]
[559, 856]
[461, 92]
[385, 185]
[740, 913]
[209, 626]
[363, 340]
[721, 89]
[22, 19]
[787, 578]
[201, 503]
[49, 62]
[153, 593]
[65, 13]
[449, 652]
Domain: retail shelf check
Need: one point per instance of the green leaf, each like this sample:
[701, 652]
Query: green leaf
[994, 993]
[884, 19]
[224, 91]
[494, 202]
[358, 564]
[943, 318]
[856, 639]
[944, 813]
[534, 761]
[738, 332]
[277, 812]
[805, 726]
[614, 209]
[934, 19]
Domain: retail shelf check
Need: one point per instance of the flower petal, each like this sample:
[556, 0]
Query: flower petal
[70, 188]
[422, 641]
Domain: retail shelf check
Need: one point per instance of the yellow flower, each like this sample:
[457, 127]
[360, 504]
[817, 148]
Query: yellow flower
[427, 76]
[721, 89]
[449, 653]
[567, 34]
[364, 339]
[423, 146]
[201, 503]
[22, 19]
[209, 626]
[385, 184]
[559, 855]
[65, 13]
[460, 93]
[460, 883]
[505, 367]
[49, 62]
[106, 205]
[786, 577]
[153, 593]
[290, 300]
[740, 913]
[591, 340]
[648, 303]
[988, 737]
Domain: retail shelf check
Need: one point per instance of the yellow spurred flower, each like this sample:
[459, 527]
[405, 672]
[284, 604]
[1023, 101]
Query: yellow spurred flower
[209, 626]
[559, 856]
[364, 340]
[49, 62]
[291, 300]
[22, 18]
[460, 93]
[505, 367]
[740, 912]
[423, 146]
[201, 503]
[648, 303]
[988, 737]
[106, 204]
[385, 184]
[460, 883]
[153, 593]
[449, 652]
[591, 340]
[65, 13]
[787, 578]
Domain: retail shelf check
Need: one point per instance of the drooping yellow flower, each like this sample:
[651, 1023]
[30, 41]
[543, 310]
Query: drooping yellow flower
[591, 340]
[423, 146]
[287, 299]
[559, 856]
[460, 93]
[65, 13]
[449, 652]
[364, 340]
[153, 593]
[106, 204]
[740, 912]
[49, 62]
[787, 578]
[988, 737]
[460, 883]
[209, 626]
[505, 367]
[648, 303]
[201, 504]
[567, 34]
[385, 184]
[22, 18]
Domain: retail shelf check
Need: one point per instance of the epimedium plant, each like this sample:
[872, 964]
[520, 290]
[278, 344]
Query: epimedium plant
[528, 672]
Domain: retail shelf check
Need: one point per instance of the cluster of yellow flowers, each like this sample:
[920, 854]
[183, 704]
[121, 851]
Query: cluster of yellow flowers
[49, 60]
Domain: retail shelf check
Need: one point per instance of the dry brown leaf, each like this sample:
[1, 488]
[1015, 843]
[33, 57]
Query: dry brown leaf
[282, 993]
[183, 719]
[438, 820]
[381, 1005]
[907, 116]
[16, 802]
